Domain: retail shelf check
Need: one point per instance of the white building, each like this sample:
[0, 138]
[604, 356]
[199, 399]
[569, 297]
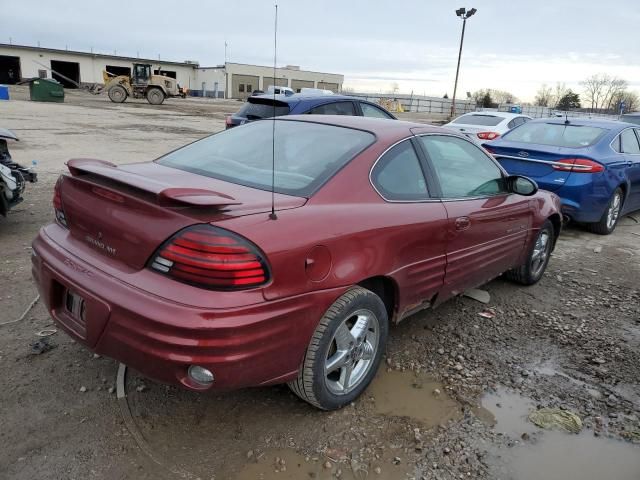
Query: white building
[231, 80]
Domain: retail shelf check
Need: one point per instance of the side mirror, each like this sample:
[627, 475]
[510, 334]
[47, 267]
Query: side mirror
[522, 185]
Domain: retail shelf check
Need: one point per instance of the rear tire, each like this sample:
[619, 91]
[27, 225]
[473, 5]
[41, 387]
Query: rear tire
[611, 215]
[155, 96]
[117, 94]
[532, 270]
[345, 351]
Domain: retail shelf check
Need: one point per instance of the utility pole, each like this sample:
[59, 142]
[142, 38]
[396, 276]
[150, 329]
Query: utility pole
[464, 15]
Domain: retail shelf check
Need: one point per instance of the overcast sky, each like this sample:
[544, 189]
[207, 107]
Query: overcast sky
[512, 45]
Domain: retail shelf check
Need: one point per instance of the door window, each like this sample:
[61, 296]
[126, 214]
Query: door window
[398, 174]
[369, 110]
[335, 108]
[462, 168]
[629, 142]
[241, 88]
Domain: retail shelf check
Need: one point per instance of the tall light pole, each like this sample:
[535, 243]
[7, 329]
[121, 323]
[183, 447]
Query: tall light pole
[463, 14]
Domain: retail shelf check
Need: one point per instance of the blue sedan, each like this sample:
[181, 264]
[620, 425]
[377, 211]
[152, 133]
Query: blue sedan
[593, 165]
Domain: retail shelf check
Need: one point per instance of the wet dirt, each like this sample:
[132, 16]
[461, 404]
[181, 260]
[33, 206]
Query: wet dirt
[283, 464]
[537, 454]
[414, 395]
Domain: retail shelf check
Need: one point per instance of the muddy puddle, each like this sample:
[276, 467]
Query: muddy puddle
[553, 454]
[407, 394]
[287, 464]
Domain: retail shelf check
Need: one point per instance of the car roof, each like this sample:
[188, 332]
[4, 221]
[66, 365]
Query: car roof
[380, 127]
[298, 97]
[587, 122]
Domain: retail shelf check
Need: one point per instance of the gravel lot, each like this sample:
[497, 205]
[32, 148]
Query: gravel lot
[450, 402]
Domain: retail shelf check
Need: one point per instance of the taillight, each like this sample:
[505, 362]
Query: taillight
[578, 165]
[488, 135]
[57, 202]
[213, 258]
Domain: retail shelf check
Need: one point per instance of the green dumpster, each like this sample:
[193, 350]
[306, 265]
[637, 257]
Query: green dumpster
[46, 90]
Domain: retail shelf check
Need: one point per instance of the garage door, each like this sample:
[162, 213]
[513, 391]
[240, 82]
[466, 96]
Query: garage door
[328, 86]
[243, 85]
[9, 69]
[268, 81]
[67, 73]
[297, 85]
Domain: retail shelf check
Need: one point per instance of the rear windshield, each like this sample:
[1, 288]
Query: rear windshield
[484, 120]
[264, 109]
[306, 155]
[556, 134]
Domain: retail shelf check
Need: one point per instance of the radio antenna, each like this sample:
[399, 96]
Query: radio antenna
[273, 215]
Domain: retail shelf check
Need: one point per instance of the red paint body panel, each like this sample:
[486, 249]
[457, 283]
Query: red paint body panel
[316, 249]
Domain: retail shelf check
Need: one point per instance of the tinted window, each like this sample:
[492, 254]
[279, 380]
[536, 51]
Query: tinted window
[512, 123]
[476, 119]
[306, 155]
[556, 134]
[398, 175]
[264, 109]
[629, 142]
[336, 108]
[369, 110]
[463, 170]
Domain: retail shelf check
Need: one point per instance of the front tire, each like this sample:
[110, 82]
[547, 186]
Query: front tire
[611, 215]
[155, 96]
[532, 270]
[345, 351]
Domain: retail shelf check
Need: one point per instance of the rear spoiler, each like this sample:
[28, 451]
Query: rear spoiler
[166, 195]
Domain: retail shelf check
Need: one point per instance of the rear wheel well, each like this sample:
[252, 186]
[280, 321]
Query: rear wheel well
[386, 289]
[556, 221]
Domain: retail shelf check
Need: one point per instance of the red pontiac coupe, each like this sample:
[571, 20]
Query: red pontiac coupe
[179, 269]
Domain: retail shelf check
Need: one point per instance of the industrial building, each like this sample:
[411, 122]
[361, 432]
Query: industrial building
[231, 80]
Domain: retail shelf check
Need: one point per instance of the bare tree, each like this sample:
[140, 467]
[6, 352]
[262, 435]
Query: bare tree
[544, 96]
[601, 90]
[630, 99]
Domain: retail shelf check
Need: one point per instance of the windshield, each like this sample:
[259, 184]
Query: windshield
[556, 134]
[264, 109]
[474, 119]
[306, 155]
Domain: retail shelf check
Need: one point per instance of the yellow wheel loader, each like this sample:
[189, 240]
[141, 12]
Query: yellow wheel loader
[142, 84]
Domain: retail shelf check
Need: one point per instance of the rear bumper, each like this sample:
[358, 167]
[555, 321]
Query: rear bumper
[258, 344]
[584, 198]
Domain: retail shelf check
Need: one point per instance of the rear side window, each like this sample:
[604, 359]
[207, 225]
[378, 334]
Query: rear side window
[556, 134]
[398, 174]
[252, 110]
[306, 155]
[629, 142]
[336, 108]
[475, 119]
[369, 110]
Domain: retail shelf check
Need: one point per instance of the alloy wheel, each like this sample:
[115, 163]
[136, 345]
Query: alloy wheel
[541, 252]
[351, 352]
[614, 210]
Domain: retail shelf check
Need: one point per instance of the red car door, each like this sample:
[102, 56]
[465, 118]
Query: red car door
[417, 249]
[487, 226]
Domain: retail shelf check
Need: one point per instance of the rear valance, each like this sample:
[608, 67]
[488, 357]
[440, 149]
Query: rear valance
[166, 195]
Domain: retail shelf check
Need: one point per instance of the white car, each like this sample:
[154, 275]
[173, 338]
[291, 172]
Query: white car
[483, 126]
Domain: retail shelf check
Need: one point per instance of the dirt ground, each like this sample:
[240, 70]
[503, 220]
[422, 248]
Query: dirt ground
[450, 402]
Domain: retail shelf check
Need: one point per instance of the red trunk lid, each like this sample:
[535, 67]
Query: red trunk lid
[126, 212]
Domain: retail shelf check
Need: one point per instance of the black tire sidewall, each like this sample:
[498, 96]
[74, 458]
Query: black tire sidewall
[603, 221]
[326, 398]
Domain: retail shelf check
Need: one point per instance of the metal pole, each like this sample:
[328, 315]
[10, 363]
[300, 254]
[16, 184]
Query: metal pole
[455, 85]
